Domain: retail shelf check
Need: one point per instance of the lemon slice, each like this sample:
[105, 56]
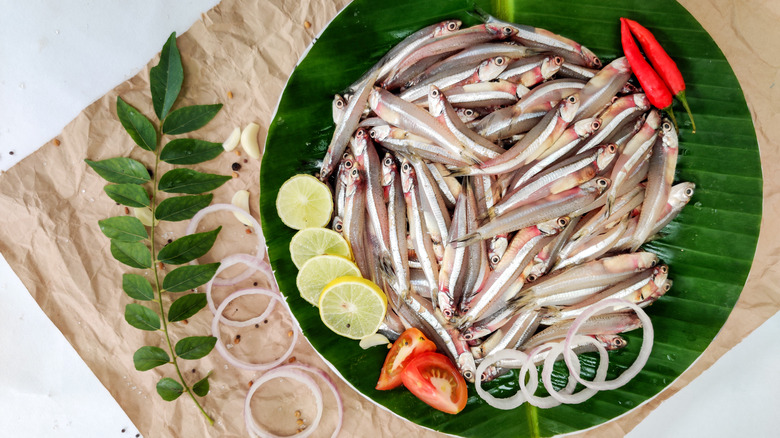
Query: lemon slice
[303, 201]
[310, 242]
[320, 270]
[353, 307]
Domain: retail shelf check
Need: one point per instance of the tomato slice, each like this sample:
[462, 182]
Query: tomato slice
[411, 343]
[434, 379]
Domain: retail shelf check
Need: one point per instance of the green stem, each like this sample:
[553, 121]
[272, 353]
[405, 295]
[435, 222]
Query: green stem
[531, 414]
[159, 300]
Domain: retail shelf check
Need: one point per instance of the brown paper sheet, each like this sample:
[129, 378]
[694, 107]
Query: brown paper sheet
[51, 203]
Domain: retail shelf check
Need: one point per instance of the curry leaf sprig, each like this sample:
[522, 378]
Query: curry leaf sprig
[134, 243]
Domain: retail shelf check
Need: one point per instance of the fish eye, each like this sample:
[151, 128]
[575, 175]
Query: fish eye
[339, 227]
[467, 336]
[495, 259]
[563, 221]
[361, 132]
[434, 92]
[531, 278]
[667, 286]
[345, 155]
[388, 161]
[469, 112]
[597, 62]
[372, 133]
[612, 148]
[620, 342]
[557, 60]
[507, 30]
[572, 99]
[596, 125]
[451, 26]
[667, 126]
[499, 61]
[689, 192]
[348, 164]
[601, 182]
[354, 172]
[406, 167]
[655, 262]
[664, 269]
[468, 375]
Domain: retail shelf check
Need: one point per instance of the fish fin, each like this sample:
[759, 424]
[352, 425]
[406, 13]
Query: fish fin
[387, 274]
[460, 171]
[468, 239]
[520, 302]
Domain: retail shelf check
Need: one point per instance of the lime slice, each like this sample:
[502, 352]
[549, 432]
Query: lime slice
[318, 271]
[303, 201]
[353, 307]
[310, 242]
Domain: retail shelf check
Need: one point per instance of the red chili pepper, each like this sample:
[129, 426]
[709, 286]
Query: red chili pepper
[655, 89]
[662, 63]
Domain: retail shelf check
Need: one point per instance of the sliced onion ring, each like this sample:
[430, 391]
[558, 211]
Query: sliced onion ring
[288, 372]
[259, 251]
[253, 264]
[501, 403]
[644, 352]
[557, 350]
[528, 367]
[325, 377]
[223, 351]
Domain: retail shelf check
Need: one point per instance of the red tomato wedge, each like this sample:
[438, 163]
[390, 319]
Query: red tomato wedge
[435, 380]
[411, 343]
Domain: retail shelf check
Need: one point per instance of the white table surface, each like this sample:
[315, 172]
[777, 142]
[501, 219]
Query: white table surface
[58, 56]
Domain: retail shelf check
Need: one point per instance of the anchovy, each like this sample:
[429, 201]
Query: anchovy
[487, 70]
[600, 89]
[450, 273]
[344, 129]
[396, 221]
[660, 176]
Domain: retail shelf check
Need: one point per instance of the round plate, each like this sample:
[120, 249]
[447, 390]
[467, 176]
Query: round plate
[709, 247]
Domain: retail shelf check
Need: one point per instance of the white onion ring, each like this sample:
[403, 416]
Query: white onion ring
[254, 429]
[528, 367]
[644, 352]
[501, 403]
[259, 251]
[223, 351]
[253, 264]
[325, 377]
[601, 372]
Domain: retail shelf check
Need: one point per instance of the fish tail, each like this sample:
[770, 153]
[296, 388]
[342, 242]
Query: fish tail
[468, 239]
[461, 171]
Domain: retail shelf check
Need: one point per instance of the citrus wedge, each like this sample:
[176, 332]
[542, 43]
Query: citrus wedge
[303, 201]
[320, 270]
[353, 307]
[310, 242]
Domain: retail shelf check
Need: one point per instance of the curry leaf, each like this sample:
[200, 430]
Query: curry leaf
[190, 181]
[188, 248]
[166, 77]
[131, 195]
[123, 228]
[201, 387]
[137, 287]
[186, 306]
[148, 357]
[195, 347]
[142, 317]
[133, 254]
[120, 170]
[189, 150]
[180, 208]
[137, 125]
[169, 389]
[189, 277]
[189, 118]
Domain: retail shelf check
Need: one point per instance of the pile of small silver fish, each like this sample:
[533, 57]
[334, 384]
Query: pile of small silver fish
[497, 181]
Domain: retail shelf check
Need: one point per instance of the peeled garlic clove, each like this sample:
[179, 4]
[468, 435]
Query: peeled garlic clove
[232, 141]
[241, 200]
[249, 140]
[373, 340]
[144, 214]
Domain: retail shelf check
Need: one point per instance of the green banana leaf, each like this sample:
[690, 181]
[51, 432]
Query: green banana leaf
[709, 247]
